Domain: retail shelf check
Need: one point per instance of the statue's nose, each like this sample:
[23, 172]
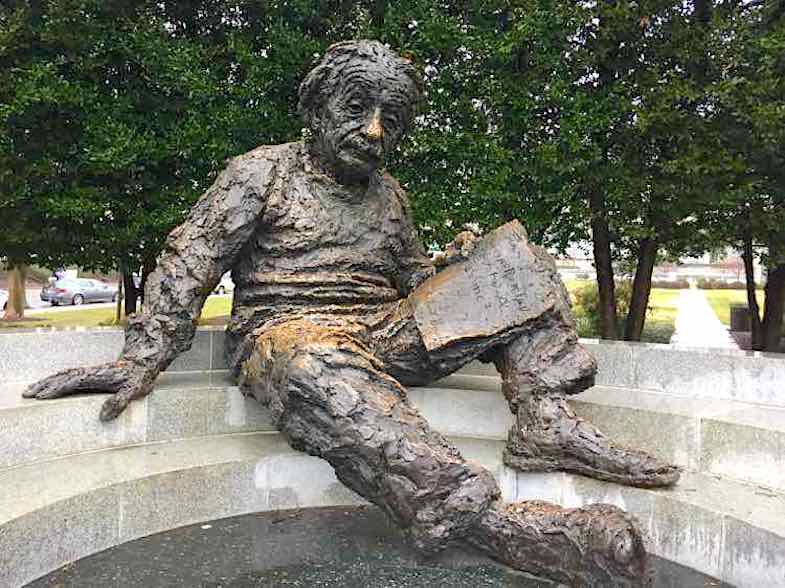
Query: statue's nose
[375, 130]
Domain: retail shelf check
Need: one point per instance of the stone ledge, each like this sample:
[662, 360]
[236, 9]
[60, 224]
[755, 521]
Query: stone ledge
[739, 441]
[753, 377]
[49, 517]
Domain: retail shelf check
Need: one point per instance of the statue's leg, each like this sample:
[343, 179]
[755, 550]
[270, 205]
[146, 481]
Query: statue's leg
[510, 291]
[329, 397]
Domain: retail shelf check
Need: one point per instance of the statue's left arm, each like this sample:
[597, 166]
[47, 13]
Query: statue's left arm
[195, 256]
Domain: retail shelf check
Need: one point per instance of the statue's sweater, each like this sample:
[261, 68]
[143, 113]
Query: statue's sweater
[297, 243]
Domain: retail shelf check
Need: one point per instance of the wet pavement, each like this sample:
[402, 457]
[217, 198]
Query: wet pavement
[340, 547]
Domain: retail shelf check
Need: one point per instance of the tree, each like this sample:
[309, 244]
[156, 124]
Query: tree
[750, 105]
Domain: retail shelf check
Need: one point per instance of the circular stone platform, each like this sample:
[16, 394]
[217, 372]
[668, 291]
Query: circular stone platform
[349, 547]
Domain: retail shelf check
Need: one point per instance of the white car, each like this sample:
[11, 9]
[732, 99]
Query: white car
[3, 300]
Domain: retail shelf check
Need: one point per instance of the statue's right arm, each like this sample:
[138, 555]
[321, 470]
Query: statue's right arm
[196, 255]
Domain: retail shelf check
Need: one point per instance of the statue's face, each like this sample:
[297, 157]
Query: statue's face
[364, 120]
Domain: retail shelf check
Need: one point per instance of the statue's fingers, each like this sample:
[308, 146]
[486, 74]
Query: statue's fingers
[131, 390]
[53, 386]
[114, 405]
[33, 389]
[107, 378]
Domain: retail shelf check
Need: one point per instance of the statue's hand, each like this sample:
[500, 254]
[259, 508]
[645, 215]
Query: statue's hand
[460, 248]
[124, 379]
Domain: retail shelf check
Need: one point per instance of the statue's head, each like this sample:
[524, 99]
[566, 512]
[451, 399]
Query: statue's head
[358, 103]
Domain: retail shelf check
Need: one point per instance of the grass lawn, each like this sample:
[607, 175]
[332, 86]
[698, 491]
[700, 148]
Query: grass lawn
[660, 319]
[215, 311]
[660, 322]
[721, 301]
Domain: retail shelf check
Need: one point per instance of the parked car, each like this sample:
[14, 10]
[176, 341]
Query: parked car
[225, 286]
[3, 300]
[78, 291]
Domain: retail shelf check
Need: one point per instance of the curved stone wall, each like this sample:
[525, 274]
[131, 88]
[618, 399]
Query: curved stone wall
[197, 450]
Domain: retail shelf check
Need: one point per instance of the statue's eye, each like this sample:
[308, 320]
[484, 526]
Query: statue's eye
[355, 107]
[391, 121]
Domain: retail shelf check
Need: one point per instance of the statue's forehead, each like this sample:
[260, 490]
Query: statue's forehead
[378, 83]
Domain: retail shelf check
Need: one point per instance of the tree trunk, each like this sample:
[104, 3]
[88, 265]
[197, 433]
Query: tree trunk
[378, 8]
[641, 289]
[748, 256]
[119, 307]
[17, 276]
[602, 262]
[147, 268]
[774, 305]
[703, 11]
[131, 292]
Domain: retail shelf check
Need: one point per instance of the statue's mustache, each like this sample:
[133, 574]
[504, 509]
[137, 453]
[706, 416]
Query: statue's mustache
[356, 143]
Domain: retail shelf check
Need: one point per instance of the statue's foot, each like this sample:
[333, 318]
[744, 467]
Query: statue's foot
[598, 545]
[549, 436]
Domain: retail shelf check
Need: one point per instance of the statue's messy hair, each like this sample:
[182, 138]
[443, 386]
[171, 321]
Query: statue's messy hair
[325, 77]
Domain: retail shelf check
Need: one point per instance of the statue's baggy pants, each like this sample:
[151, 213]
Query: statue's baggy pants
[335, 389]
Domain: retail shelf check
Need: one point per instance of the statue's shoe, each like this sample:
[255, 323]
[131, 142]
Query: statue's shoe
[599, 545]
[548, 436]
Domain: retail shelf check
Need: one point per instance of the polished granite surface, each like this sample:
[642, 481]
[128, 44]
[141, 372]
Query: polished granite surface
[341, 547]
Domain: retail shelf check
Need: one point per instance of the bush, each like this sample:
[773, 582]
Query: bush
[712, 284]
[671, 285]
[586, 306]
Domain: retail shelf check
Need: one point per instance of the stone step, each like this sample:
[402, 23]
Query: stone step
[55, 512]
[739, 441]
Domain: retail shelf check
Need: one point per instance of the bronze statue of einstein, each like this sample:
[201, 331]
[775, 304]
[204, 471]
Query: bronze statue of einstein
[337, 309]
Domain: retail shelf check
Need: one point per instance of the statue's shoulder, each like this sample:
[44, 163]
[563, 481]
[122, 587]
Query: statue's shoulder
[398, 193]
[266, 156]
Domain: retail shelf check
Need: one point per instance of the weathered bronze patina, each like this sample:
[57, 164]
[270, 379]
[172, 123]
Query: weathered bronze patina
[337, 308]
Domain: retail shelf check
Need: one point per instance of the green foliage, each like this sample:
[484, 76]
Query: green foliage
[670, 285]
[711, 284]
[115, 116]
[586, 304]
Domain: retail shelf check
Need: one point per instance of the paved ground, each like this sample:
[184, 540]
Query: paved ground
[697, 325]
[337, 547]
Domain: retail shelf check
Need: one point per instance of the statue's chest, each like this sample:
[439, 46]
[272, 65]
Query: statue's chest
[305, 215]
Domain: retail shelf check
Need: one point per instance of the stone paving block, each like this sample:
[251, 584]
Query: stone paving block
[178, 414]
[688, 534]
[231, 412]
[298, 481]
[669, 436]
[198, 357]
[27, 357]
[754, 558]
[759, 378]
[614, 363]
[464, 381]
[44, 540]
[56, 428]
[479, 368]
[537, 486]
[464, 413]
[743, 451]
[184, 497]
[684, 372]
[219, 356]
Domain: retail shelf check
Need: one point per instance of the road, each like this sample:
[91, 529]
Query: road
[36, 305]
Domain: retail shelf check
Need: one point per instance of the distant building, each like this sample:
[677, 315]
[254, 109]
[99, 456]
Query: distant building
[727, 266]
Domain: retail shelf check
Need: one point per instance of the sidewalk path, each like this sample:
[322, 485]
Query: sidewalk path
[697, 325]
